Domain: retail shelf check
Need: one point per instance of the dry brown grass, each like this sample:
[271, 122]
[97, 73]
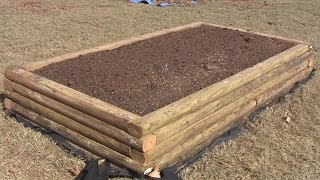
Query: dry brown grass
[270, 148]
[26, 154]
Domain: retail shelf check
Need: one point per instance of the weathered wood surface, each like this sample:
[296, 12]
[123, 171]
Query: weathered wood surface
[159, 118]
[94, 107]
[173, 128]
[253, 90]
[143, 145]
[40, 64]
[201, 140]
[282, 89]
[69, 123]
[194, 145]
[78, 139]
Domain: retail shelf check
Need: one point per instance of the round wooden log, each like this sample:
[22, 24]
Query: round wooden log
[190, 132]
[185, 121]
[282, 88]
[69, 123]
[79, 140]
[144, 144]
[186, 134]
[204, 138]
[94, 107]
[159, 118]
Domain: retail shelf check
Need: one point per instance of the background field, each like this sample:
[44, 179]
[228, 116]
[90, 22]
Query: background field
[269, 148]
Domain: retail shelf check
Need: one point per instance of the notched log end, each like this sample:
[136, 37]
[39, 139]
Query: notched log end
[136, 129]
[138, 156]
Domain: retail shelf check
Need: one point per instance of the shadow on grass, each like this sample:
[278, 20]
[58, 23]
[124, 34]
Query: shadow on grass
[91, 170]
[2, 97]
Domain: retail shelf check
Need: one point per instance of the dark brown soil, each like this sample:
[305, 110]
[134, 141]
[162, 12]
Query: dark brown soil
[150, 74]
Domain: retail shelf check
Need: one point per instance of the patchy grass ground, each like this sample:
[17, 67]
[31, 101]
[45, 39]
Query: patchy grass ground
[269, 148]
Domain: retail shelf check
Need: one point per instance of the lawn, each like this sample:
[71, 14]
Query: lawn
[268, 148]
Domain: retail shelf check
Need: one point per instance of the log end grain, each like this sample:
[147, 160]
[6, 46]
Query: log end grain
[148, 142]
[311, 62]
[7, 104]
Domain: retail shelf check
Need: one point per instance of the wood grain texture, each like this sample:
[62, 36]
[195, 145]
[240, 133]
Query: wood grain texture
[94, 107]
[253, 90]
[159, 118]
[82, 118]
[198, 142]
[69, 123]
[175, 127]
[79, 140]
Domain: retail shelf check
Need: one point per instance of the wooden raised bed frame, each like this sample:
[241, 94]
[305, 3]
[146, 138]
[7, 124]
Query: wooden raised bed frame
[166, 136]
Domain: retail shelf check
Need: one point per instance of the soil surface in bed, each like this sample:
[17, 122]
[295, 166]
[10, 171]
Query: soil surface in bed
[150, 74]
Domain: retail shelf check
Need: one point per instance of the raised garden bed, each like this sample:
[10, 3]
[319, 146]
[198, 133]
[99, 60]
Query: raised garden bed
[158, 98]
